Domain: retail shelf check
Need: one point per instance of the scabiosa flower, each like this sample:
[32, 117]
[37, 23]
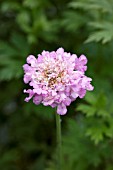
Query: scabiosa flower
[56, 79]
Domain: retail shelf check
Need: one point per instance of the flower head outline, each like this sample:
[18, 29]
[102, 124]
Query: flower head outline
[56, 79]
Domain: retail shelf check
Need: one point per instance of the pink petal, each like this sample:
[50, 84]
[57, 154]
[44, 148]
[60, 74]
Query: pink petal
[27, 78]
[37, 91]
[60, 51]
[83, 59]
[37, 99]
[61, 109]
[31, 60]
[30, 92]
[82, 93]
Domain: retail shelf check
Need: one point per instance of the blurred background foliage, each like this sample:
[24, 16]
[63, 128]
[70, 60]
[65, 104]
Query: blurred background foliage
[27, 132]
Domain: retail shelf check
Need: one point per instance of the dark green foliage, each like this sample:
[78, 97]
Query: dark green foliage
[27, 132]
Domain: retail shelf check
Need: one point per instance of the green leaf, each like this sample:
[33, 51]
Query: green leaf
[7, 6]
[88, 110]
[20, 44]
[97, 36]
[101, 101]
[104, 5]
[103, 113]
[31, 4]
[23, 19]
[72, 21]
[95, 133]
[7, 50]
[11, 71]
[90, 98]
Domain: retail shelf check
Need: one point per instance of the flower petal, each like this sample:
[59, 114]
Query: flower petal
[37, 99]
[61, 109]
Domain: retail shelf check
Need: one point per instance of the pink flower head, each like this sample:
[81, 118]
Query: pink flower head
[56, 79]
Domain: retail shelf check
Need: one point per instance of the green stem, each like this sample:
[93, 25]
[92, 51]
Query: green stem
[59, 141]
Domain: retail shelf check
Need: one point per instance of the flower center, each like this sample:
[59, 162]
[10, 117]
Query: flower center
[51, 73]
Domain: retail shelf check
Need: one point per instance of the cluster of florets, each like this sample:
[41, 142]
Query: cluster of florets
[56, 79]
